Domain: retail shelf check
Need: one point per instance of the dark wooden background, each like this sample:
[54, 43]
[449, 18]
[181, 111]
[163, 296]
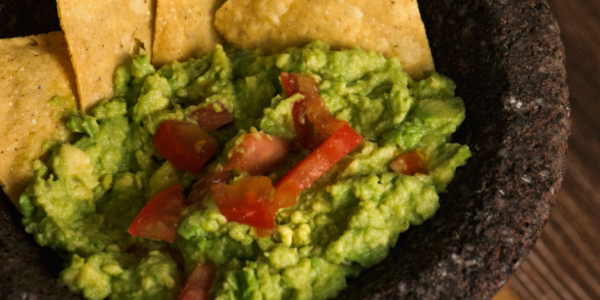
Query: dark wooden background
[565, 262]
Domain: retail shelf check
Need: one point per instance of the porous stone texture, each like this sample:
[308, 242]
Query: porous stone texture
[27, 271]
[508, 63]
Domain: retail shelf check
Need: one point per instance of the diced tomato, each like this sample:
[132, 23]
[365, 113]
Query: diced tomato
[313, 122]
[159, 219]
[258, 153]
[410, 163]
[198, 283]
[185, 145]
[202, 187]
[305, 172]
[249, 201]
[290, 84]
[209, 119]
[305, 130]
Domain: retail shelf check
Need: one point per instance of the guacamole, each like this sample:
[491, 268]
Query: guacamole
[85, 197]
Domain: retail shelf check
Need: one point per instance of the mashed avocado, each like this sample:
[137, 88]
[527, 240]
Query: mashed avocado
[87, 194]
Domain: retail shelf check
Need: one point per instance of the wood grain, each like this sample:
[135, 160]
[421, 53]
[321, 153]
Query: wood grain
[565, 262]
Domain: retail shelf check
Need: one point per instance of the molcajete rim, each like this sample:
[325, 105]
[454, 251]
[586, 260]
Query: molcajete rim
[508, 62]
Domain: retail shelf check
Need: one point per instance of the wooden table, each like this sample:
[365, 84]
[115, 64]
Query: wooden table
[565, 262]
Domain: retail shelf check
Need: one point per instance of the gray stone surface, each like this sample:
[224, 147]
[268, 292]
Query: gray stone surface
[27, 271]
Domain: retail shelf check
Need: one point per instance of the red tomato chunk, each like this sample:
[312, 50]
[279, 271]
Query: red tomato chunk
[257, 154]
[205, 182]
[249, 201]
[198, 283]
[209, 119]
[313, 122]
[185, 145]
[305, 129]
[410, 163]
[159, 219]
[305, 172]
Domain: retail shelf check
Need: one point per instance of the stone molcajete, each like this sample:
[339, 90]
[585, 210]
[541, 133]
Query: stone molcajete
[508, 63]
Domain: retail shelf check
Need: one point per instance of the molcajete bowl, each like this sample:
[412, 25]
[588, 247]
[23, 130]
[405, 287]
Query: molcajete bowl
[508, 63]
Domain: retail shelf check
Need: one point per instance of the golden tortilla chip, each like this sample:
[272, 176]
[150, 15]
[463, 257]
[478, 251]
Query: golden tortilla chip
[184, 28]
[393, 28]
[34, 71]
[103, 34]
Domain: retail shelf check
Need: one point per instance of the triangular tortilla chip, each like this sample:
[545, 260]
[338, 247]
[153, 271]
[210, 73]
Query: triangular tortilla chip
[393, 28]
[184, 28]
[34, 70]
[104, 34]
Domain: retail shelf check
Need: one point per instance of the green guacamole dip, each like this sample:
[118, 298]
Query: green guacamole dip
[87, 194]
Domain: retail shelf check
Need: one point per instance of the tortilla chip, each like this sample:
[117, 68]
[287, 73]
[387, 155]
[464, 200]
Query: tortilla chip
[184, 28]
[103, 34]
[393, 28]
[34, 70]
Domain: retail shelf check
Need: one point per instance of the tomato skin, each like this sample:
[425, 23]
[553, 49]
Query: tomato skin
[198, 283]
[290, 84]
[410, 163]
[185, 145]
[209, 119]
[305, 172]
[160, 218]
[258, 153]
[249, 201]
[313, 122]
[202, 186]
[305, 130]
